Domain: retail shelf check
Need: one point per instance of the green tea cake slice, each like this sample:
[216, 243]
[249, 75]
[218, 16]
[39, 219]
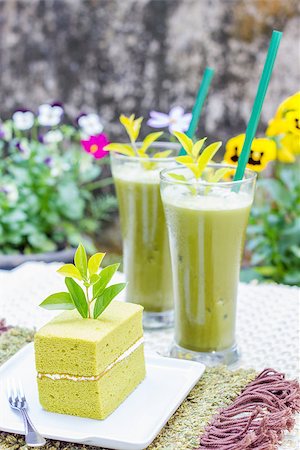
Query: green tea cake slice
[87, 367]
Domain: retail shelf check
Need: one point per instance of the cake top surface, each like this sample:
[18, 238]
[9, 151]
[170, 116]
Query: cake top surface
[71, 325]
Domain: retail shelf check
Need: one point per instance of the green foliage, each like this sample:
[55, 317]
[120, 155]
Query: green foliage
[60, 300]
[194, 160]
[78, 297]
[49, 195]
[274, 230]
[133, 127]
[106, 297]
[92, 278]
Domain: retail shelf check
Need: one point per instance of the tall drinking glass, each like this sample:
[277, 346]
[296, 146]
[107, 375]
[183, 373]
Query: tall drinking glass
[146, 253]
[207, 224]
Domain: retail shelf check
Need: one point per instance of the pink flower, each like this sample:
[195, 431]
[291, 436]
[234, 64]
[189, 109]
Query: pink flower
[95, 144]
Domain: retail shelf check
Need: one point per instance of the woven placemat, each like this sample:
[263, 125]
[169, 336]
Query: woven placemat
[217, 387]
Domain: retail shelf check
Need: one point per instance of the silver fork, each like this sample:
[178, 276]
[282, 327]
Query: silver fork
[17, 400]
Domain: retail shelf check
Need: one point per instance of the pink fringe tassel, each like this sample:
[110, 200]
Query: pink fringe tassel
[258, 416]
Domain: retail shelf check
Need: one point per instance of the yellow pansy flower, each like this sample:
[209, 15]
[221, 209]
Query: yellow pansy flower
[276, 127]
[289, 104]
[287, 117]
[284, 155]
[291, 142]
[262, 151]
[292, 119]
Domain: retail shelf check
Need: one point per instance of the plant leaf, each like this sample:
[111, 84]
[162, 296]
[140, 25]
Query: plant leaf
[185, 141]
[266, 271]
[142, 154]
[197, 147]
[185, 160]
[188, 162]
[106, 297]
[152, 137]
[219, 174]
[105, 276]
[69, 270]
[132, 126]
[78, 297]
[60, 300]
[149, 165]
[207, 154]
[136, 127]
[126, 121]
[178, 177]
[94, 263]
[80, 260]
[124, 149]
[94, 278]
[163, 154]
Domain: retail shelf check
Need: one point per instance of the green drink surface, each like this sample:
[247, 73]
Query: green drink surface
[206, 238]
[146, 251]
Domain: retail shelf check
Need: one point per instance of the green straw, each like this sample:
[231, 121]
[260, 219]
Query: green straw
[257, 106]
[201, 96]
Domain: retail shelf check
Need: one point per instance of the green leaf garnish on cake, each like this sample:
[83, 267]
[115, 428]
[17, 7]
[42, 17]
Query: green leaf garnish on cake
[91, 356]
[88, 273]
[138, 149]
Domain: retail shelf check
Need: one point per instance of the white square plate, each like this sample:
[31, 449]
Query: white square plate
[133, 426]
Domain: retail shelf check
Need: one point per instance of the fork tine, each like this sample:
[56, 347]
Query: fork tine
[17, 388]
[21, 390]
[14, 389]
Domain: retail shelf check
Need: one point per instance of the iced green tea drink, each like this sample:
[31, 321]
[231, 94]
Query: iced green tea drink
[207, 224]
[146, 253]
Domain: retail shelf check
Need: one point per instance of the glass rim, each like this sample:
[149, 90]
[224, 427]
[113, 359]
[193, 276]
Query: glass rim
[250, 176]
[157, 144]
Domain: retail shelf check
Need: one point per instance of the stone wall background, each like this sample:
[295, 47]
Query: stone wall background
[115, 56]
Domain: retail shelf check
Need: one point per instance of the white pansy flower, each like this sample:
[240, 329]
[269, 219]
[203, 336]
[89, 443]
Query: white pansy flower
[50, 115]
[11, 192]
[23, 120]
[176, 120]
[53, 137]
[90, 124]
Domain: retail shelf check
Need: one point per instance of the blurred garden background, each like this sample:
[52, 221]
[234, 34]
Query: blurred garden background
[69, 68]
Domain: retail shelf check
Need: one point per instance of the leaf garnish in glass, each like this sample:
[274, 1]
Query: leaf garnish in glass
[87, 272]
[132, 127]
[217, 176]
[195, 160]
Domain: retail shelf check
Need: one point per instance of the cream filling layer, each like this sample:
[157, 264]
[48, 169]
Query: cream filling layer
[63, 376]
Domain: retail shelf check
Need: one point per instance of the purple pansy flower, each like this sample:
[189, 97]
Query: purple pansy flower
[176, 120]
[23, 148]
[48, 161]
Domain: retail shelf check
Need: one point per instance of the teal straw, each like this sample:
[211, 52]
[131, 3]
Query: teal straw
[258, 103]
[201, 96]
